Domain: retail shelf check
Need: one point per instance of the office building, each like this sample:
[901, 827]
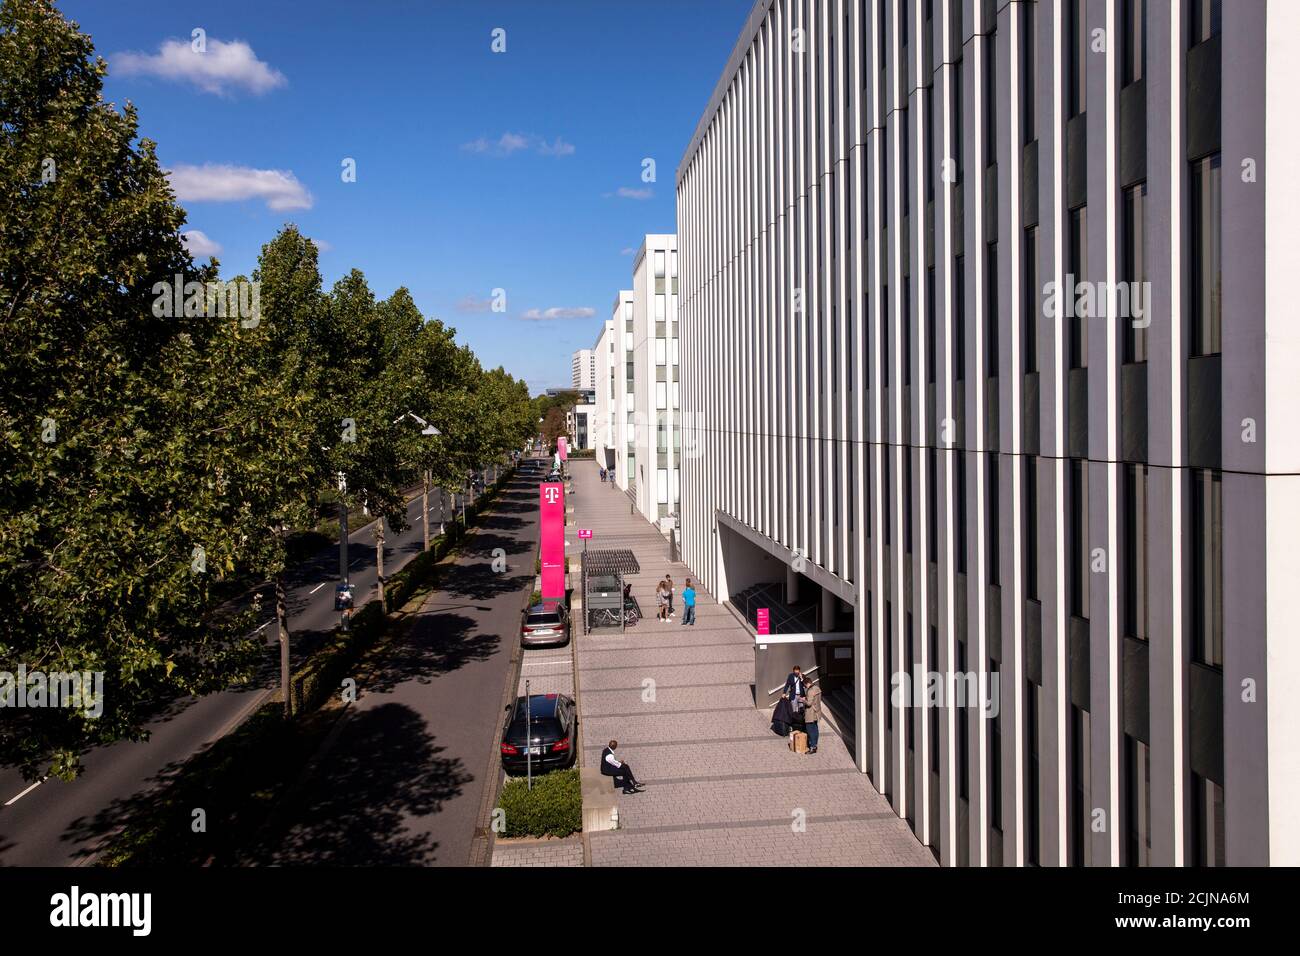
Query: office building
[584, 369]
[993, 366]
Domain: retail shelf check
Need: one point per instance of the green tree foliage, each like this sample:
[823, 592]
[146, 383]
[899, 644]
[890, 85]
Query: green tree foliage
[152, 445]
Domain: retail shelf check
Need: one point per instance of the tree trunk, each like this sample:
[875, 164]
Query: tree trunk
[282, 623]
[424, 515]
[379, 558]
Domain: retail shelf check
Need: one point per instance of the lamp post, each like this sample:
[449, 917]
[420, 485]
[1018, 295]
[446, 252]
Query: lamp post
[424, 493]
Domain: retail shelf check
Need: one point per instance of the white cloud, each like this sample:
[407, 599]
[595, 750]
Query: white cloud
[510, 143]
[473, 304]
[626, 192]
[627, 251]
[540, 315]
[212, 182]
[199, 245]
[222, 68]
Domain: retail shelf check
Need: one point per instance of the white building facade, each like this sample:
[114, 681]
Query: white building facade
[584, 368]
[653, 433]
[1089, 502]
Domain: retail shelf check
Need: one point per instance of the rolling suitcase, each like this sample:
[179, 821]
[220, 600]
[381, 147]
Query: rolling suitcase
[799, 742]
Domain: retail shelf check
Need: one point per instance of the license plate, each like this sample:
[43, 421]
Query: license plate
[535, 751]
[542, 633]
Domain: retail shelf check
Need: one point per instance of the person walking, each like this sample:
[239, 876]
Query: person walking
[661, 595]
[671, 610]
[812, 714]
[611, 766]
[795, 688]
[688, 604]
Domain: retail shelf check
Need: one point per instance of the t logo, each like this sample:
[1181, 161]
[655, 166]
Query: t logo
[552, 495]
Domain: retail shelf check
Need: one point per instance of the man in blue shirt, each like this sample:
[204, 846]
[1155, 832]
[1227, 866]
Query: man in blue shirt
[688, 603]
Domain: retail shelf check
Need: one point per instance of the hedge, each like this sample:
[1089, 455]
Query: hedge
[552, 808]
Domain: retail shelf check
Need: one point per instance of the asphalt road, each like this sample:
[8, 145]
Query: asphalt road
[402, 781]
[60, 824]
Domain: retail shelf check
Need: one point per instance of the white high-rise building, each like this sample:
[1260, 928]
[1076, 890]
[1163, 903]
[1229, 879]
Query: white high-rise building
[584, 369]
[917, 448]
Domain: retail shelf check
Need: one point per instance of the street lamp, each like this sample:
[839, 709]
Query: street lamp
[424, 492]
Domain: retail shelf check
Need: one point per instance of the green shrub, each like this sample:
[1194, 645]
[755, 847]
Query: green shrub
[552, 808]
[324, 671]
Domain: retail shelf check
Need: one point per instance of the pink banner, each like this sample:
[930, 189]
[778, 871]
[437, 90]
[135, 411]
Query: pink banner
[764, 620]
[552, 539]
[562, 446]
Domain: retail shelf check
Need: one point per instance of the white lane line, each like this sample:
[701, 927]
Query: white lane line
[13, 800]
[317, 587]
[546, 663]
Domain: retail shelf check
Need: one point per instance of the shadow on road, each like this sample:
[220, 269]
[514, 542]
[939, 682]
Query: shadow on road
[385, 770]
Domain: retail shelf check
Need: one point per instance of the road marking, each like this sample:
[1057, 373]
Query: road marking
[546, 663]
[12, 801]
[318, 587]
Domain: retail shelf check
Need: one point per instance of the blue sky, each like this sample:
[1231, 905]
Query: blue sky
[475, 170]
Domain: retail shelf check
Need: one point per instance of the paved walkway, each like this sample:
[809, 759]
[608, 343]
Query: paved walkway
[722, 789]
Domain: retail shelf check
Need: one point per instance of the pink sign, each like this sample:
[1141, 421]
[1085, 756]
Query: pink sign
[764, 620]
[562, 447]
[552, 539]
[584, 532]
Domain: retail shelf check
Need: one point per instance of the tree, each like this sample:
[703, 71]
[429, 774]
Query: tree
[110, 537]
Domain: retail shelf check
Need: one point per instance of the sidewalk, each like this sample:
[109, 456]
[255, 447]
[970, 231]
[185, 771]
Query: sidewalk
[721, 788]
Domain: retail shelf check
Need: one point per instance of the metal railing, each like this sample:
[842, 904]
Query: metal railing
[784, 619]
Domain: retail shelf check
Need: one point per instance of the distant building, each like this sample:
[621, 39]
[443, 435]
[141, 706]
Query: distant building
[584, 369]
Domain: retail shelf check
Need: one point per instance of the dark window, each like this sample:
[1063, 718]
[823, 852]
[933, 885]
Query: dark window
[1030, 526]
[1031, 302]
[907, 330]
[991, 310]
[886, 353]
[959, 318]
[1207, 567]
[1078, 272]
[1133, 39]
[990, 102]
[910, 670]
[1032, 814]
[1080, 770]
[1132, 324]
[930, 308]
[958, 108]
[933, 710]
[907, 502]
[1206, 19]
[960, 469]
[1134, 557]
[931, 506]
[1028, 72]
[1077, 542]
[992, 534]
[1077, 50]
[1207, 272]
[995, 761]
[963, 732]
[1137, 802]
[1207, 822]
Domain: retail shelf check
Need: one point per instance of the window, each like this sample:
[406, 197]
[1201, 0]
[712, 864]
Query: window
[1207, 273]
[991, 310]
[662, 476]
[1207, 822]
[1134, 555]
[1078, 273]
[931, 509]
[1077, 540]
[661, 351]
[1133, 39]
[959, 318]
[1134, 337]
[1077, 50]
[1030, 526]
[907, 503]
[1137, 802]
[661, 394]
[990, 102]
[1028, 72]
[1030, 303]
[659, 264]
[963, 732]
[934, 709]
[1206, 19]
[1034, 705]
[992, 531]
[1080, 734]
[1206, 592]
[660, 307]
[929, 326]
[960, 469]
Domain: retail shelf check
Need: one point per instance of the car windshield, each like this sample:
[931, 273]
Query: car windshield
[546, 728]
[543, 620]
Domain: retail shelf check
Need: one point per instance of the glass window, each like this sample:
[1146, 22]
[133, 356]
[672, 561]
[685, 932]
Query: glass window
[1077, 50]
[659, 264]
[1078, 273]
[1207, 266]
[1133, 54]
[1207, 822]
[662, 476]
[992, 531]
[1030, 526]
[1136, 299]
[661, 394]
[1031, 302]
[1206, 592]
[660, 307]
[1137, 802]
[1028, 71]
[991, 310]
[1134, 556]
[1206, 19]
[661, 351]
[1077, 556]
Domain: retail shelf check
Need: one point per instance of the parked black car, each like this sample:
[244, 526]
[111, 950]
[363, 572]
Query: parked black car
[553, 740]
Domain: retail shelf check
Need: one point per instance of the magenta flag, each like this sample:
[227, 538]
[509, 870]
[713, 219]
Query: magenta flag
[562, 446]
[552, 539]
[764, 621]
